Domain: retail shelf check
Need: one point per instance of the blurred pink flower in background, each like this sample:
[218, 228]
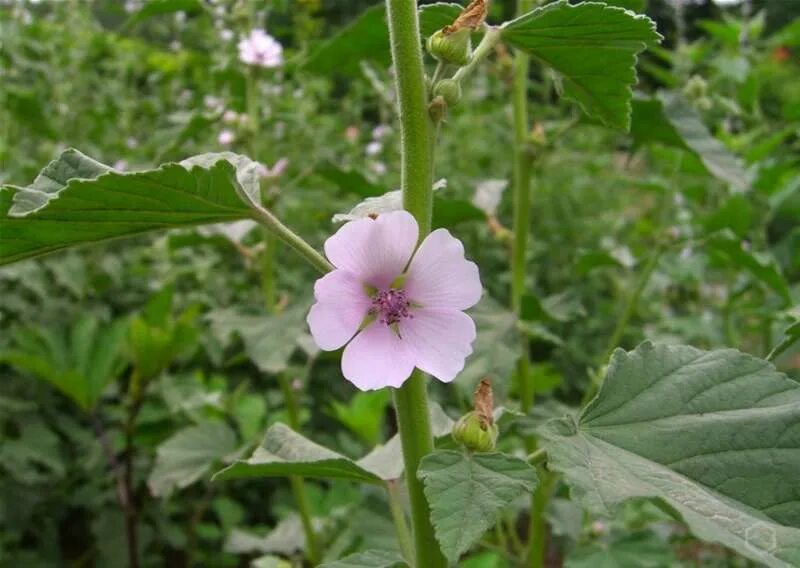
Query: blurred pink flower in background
[260, 48]
[226, 137]
[394, 308]
[276, 170]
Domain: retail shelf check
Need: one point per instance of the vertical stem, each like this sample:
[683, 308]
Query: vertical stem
[296, 482]
[268, 290]
[411, 400]
[399, 518]
[522, 173]
[135, 397]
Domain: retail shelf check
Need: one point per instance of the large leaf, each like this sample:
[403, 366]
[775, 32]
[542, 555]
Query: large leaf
[284, 452]
[467, 491]
[76, 200]
[593, 47]
[188, 455]
[670, 120]
[714, 434]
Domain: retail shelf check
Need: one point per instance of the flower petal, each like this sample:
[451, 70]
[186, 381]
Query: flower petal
[375, 250]
[440, 340]
[342, 304]
[440, 277]
[377, 358]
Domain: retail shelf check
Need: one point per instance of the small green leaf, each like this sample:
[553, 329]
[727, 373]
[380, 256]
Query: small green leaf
[645, 550]
[714, 434]
[593, 47]
[729, 248]
[671, 120]
[76, 200]
[494, 350]
[467, 491]
[284, 452]
[269, 340]
[188, 455]
[368, 559]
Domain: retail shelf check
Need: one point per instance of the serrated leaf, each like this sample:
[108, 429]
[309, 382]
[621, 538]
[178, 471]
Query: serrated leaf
[76, 200]
[188, 455]
[467, 491]
[714, 434]
[670, 120]
[643, 550]
[593, 47]
[284, 452]
[368, 559]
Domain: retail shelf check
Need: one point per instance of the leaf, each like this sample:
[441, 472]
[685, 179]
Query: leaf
[364, 414]
[714, 434]
[495, 349]
[284, 452]
[645, 550]
[188, 455]
[593, 47]
[671, 120]
[286, 538]
[368, 559]
[76, 200]
[467, 491]
[367, 39]
[269, 340]
[160, 7]
[729, 248]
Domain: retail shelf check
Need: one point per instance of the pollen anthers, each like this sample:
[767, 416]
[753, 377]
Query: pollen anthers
[390, 305]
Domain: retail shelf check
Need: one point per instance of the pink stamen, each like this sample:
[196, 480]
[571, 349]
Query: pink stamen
[390, 306]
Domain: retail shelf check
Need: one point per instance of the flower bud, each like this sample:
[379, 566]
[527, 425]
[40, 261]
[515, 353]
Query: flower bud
[475, 434]
[449, 90]
[437, 109]
[454, 47]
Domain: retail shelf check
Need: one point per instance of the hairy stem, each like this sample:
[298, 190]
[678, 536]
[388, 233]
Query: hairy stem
[411, 400]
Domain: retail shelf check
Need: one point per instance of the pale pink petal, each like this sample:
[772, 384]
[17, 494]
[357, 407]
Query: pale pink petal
[440, 277]
[440, 340]
[375, 250]
[342, 304]
[377, 358]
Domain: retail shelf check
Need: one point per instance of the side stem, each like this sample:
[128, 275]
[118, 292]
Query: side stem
[411, 400]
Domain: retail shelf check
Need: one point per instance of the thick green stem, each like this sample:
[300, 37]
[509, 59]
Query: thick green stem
[413, 422]
[416, 179]
[399, 518]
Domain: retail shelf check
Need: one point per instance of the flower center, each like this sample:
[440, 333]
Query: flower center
[390, 306]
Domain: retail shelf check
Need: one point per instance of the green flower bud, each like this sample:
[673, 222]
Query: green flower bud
[475, 435]
[449, 90]
[455, 47]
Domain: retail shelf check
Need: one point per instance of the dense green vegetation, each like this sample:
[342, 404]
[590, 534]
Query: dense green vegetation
[622, 179]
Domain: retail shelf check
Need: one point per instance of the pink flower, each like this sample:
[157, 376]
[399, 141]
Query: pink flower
[275, 171]
[394, 308]
[260, 48]
[226, 137]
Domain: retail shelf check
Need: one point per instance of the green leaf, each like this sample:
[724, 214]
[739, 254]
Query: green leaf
[368, 559]
[643, 550]
[467, 491]
[286, 538]
[160, 7]
[593, 47]
[76, 200]
[188, 455]
[284, 452]
[367, 39]
[671, 120]
[714, 434]
[494, 352]
[766, 270]
[364, 414]
[269, 340]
